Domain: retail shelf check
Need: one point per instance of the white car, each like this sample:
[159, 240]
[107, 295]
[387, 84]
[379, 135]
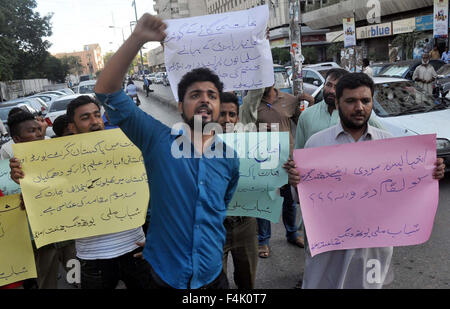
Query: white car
[405, 109]
[86, 87]
[57, 108]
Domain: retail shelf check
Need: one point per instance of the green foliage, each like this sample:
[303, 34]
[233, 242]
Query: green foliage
[23, 52]
[73, 64]
[310, 54]
[281, 55]
[335, 50]
[406, 41]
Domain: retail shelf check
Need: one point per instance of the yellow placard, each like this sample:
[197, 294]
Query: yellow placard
[83, 185]
[16, 252]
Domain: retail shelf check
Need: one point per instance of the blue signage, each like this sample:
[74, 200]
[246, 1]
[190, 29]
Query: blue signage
[424, 23]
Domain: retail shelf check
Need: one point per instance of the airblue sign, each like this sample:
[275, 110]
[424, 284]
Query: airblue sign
[424, 23]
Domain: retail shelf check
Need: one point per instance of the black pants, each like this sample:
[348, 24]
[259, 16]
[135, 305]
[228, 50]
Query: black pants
[106, 273]
[221, 282]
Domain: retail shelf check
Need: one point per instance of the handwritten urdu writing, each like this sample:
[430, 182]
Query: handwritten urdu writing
[371, 194]
[83, 185]
[233, 45]
[16, 252]
[261, 173]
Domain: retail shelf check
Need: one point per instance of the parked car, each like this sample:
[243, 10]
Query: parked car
[86, 87]
[405, 69]
[37, 104]
[282, 80]
[405, 109]
[57, 108]
[442, 83]
[159, 77]
[66, 90]
[84, 78]
[58, 93]
[378, 67]
[152, 77]
[314, 75]
[5, 107]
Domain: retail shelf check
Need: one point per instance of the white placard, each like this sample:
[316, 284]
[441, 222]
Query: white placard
[233, 45]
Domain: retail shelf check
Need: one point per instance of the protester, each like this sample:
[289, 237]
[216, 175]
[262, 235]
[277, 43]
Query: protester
[25, 128]
[6, 151]
[278, 108]
[323, 114]
[189, 195]
[347, 268]
[446, 56]
[241, 239]
[366, 67]
[104, 259]
[435, 55]
[61, 126]
[425, 74]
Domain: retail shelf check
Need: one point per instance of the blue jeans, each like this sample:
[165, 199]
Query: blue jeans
[289, 215]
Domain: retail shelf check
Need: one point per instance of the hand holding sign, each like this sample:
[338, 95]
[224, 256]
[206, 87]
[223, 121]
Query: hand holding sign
[383, 196]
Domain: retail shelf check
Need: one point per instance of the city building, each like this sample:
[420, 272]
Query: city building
[170, 9]
[91, 58]
[409, 18]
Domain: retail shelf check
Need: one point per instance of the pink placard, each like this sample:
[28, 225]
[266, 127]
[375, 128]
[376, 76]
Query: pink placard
[368, 194]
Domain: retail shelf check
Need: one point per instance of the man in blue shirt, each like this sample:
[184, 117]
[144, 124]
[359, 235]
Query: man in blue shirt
[189, 193]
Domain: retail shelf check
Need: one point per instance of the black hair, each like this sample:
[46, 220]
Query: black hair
[366, 62]
[198, 75]
[15, 110]
[60, 124]
[336, 73]
[16, 119]
[353, 81]
[229, 97]
[75, 103]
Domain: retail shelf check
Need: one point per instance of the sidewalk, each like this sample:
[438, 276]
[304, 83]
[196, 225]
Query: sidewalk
[161, 93]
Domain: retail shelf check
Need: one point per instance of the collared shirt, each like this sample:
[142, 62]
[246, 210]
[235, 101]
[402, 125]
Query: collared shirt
[344, 269]
[131, 89]
[188, 198]
[285, 108]
[317, 118]
[425, 73]
[368, 70]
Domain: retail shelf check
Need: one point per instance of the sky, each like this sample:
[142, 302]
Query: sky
[76, 23]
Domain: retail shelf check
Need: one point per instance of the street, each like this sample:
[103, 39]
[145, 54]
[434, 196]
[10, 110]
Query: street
[414, 267]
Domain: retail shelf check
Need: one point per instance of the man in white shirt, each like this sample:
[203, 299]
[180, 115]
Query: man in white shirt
[424, 75]
[341, 269]
[366, 67]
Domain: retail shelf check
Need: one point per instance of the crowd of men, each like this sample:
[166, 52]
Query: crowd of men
[188, 237]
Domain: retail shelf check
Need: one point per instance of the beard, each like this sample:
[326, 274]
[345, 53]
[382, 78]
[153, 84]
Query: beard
[195, 118]
[329, 98]
[348, 123]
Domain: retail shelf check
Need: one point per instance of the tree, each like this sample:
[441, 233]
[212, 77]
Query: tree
[310, 54]
[406, 41]
[73, 64]
[281, 55]
[22, 49]
[107, 56]
[54, 69]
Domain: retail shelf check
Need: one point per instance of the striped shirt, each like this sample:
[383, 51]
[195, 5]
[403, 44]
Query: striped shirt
[109, 246]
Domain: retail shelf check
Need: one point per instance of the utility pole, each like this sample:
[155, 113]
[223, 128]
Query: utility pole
[295, 37]
[140, 50]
